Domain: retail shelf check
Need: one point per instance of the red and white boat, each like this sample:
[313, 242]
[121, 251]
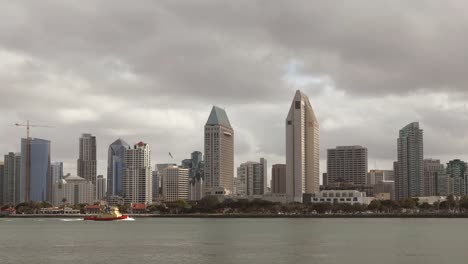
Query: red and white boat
[109, 214]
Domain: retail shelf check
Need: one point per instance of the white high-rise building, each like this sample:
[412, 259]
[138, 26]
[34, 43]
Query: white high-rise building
[302, 149]
[137, 182]
[219, 154]
[175, 183]
[252, 178]
[101, 187]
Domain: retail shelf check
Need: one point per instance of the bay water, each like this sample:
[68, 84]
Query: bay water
[234, 240]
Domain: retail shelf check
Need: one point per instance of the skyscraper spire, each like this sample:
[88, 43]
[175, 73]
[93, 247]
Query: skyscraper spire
[218, 116]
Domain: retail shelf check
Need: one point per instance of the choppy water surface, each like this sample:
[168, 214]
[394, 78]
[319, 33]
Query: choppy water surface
[253, 241]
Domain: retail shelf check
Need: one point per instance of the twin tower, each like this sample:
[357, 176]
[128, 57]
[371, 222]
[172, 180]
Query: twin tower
[302, 151]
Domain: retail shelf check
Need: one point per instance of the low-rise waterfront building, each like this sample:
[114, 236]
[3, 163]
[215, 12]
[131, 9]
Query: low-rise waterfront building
[92, 209]
[432, 199]
[367, 188]
[337, 196]
[137, 208]
[57, 210]
[73, 190]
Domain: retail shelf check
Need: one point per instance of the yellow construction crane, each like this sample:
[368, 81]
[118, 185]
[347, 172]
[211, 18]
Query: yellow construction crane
[28, 156]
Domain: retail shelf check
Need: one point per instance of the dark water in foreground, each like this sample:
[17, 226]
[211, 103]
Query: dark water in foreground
[253, 241]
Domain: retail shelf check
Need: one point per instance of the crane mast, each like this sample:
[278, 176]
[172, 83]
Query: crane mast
[28, 158]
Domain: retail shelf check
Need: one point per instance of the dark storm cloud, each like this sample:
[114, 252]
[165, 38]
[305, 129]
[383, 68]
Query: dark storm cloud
[150, 70]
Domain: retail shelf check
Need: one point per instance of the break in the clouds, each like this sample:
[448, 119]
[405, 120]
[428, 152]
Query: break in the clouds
[151, 70]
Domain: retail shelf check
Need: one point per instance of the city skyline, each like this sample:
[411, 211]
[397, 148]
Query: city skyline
[323, 161]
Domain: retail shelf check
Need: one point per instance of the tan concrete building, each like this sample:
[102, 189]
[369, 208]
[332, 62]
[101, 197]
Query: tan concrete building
[87, 164]
[175, 183]
[302, 149]
[73, 190]
[385, 189]
[219, 154]
[137, 183]
[376, 176]
[278, 178]
[347, 164]
[432, 170]
[252, 178]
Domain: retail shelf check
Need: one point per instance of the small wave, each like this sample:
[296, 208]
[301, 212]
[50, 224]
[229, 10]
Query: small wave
[129, 219]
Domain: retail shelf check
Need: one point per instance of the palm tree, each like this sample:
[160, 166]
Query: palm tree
[64, 200]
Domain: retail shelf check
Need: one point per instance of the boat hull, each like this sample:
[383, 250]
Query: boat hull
[95, 218]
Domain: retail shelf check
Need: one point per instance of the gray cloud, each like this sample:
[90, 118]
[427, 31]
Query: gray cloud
[151, 71]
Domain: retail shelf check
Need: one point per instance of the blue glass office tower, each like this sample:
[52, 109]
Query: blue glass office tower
[36, 186]
[116, 167]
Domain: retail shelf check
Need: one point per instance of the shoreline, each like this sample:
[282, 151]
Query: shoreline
[448, 215]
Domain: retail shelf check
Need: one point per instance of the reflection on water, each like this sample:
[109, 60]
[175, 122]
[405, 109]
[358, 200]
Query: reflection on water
[252, 241]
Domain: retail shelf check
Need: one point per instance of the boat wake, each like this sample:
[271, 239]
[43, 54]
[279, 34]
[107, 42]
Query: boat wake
[128, 219]
[71, 220]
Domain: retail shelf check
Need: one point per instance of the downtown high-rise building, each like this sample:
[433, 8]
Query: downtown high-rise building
[11, 179]
[56, 171]
[175, 183]
[156, 185]
[409, 178]
[302, 149]
[457, 171]
[101, 187]
[35, 181]
[347, 164]
[196, 176]
[87, 164]
[278, 178]
[157, 176]
[376, 176]
[252, 178]
[73, 190]
[2, 167]
[137, 182]
[116, 167]
[219, 154]
[433, 170]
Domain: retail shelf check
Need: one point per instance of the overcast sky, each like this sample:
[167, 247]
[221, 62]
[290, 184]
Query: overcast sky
[151, 71]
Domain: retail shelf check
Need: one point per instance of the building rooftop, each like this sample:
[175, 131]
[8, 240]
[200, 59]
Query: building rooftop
[218, 116]
[120, 142]
[73, 178]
